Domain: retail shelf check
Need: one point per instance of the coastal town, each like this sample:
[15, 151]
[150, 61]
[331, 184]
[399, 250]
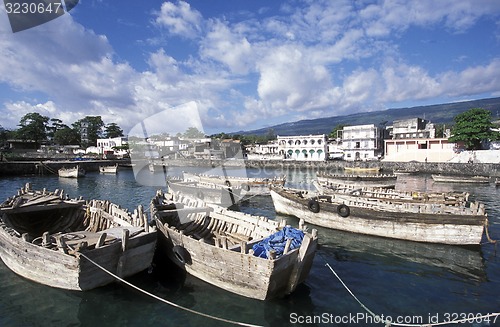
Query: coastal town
[412, 140]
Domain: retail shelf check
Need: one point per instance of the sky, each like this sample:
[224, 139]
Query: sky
[247, 64]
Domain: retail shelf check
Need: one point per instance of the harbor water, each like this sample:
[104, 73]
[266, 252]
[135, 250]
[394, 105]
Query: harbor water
[406, 282]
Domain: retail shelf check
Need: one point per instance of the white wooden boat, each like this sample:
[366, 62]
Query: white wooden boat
[208, 192]
[249, 185]
[73, 172]
[372, 180]
[460, 179]
[43, 237]
[217, 245]
[108, 169]
[431, 223]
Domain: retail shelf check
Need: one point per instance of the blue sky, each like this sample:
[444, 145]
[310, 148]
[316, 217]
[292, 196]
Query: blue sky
[248, 64]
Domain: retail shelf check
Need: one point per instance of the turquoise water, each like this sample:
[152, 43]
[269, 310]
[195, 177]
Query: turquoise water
[406, 281]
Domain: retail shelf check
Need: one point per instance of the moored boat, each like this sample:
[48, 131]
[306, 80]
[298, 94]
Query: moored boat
[208, 192]
[252, 256]
[108, 169]
[249, 185]
[372, 180]
[460, 179]
[72, 172]
[394, 196]
[47, 238]
[432, 223]
[359, 169]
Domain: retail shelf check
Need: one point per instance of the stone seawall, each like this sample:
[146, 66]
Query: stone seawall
[449, 168]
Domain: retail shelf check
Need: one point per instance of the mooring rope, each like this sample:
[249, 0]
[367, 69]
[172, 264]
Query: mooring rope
[390, 323]
[163, 300]
[490, 240]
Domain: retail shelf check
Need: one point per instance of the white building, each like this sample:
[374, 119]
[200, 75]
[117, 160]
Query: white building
[109, 145]
[362, 142]
[303, 147]
[419, 149]
[269, 151]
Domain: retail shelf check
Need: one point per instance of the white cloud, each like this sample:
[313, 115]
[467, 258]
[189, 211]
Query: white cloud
[180, 19]
[234, 51]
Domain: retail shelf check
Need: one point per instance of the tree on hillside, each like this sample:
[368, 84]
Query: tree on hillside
[193, 133]
[112, 130]
[333, 133]
[33, 126]
[472, 127]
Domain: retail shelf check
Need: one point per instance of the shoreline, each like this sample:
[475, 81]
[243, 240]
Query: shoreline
[47, 167]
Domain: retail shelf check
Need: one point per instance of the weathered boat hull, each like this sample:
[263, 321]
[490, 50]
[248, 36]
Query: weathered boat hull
[460, 179]
[222, 195]
[65, 271]
[236, 272]
[430, 228]
[50, 240]
[249, 185]
[378, 181]
[235, 268]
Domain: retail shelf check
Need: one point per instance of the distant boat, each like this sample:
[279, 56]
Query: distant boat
[45, 237]
[73, 172]
[368, 180]
[406, 171]
[108, 169]
[208, 192]
[362, 169]
[248, 255]
[460, 179]
[249, 185]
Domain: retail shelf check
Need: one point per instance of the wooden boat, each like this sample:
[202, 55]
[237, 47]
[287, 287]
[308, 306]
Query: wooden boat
[460, 179]
[393, 196]
[405, 172]
[385, 180]
[497, 181]
[44, 237]
[73, 172]
[249, 185]
[431, 223]
[208, 192]
[108, 169]
[359, 169]
[219, 246]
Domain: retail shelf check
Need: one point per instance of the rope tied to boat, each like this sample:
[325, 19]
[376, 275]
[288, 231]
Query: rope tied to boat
[78, 254]
[490, 240]
[388, 323]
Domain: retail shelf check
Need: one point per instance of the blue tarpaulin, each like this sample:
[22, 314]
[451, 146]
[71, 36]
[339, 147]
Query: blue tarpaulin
[277, 242]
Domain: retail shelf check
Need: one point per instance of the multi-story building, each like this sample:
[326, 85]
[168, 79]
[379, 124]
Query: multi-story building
[362, 142]
[303, 147]
[415, 139]
[413, 128]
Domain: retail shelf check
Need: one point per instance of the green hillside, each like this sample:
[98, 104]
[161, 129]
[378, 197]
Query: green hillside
[439, 113]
